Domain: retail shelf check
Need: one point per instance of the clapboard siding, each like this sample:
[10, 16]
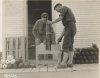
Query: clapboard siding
[87, 13]
[15, 18]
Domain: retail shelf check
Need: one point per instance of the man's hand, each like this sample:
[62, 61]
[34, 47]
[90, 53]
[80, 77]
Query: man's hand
[44, 41]
[59, 39]
[37, 41]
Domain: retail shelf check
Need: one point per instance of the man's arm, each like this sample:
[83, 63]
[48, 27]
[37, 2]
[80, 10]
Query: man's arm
[60, 38]
[35, 34]
[37, 40]
[34, 30]
[63, 33]
[57, 20]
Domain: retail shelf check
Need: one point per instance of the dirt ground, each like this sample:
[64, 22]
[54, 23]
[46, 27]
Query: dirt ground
[74, 74]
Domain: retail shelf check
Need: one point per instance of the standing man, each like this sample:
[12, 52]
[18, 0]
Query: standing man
[68, 20]
[43, 32]
[39, 29]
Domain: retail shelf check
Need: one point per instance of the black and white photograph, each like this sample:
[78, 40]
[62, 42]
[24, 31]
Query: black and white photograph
[49, 38]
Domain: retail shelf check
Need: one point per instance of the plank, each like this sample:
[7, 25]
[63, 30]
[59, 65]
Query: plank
[68, 69]
[23, 48]
[1, 70]
[9, 70]
[19, 70]
[82, 67]
[37, 60]
[35, 70]
[92, 67]
[16, 49]
[27, 69]
[60, 70]
[19, 47]
[76, 68]
[7, 44]
[10, 46]
[51, 69]
[26, 48]
[6, 71]
[43, 69]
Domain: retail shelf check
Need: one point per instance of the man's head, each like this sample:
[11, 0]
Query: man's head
[45, 16]
[58, 7]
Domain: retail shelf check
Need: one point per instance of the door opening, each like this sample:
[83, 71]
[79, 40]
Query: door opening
[35, 8]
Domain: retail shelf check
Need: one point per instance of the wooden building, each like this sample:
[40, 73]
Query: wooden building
[19, 17]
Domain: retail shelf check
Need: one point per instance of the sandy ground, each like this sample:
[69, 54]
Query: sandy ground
[74, 74]
[78, 71]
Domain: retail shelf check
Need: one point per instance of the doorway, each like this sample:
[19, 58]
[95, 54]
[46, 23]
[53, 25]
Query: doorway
[35, 8]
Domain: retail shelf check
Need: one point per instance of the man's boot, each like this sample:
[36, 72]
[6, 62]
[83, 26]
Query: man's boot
[64, 60]
[70, 61]
[60, 55]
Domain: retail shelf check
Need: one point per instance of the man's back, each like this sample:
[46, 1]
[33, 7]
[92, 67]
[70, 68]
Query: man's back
[67, 15]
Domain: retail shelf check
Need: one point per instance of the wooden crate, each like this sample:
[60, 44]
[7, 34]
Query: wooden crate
[42, 54]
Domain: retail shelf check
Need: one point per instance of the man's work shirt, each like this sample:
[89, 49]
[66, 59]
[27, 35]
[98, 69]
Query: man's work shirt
[68, 18]
[67, 15]
[44, 32]
[39, 29]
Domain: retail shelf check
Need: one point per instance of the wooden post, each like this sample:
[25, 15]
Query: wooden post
[16, 49]
[19, 47]
[6, 44]
[37, 56]
[10, 46]
[26, 47]
[23, 48]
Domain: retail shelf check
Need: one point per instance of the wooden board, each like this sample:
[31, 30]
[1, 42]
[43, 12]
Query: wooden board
[16, 49]
[19, 47]
[23, 48]
[10, 46]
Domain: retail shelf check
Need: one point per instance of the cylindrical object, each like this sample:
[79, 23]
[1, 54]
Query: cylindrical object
[94, 57]
[86, 61]
[78, 61]
[89, 57]
[95, 61]
[87, 53]
[82, 61]
[80, 57]
[92, 52]
[91, 61]
[84, 57]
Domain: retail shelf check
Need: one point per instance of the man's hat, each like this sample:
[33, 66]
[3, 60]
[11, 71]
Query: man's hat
[57, 5]
[45, 15]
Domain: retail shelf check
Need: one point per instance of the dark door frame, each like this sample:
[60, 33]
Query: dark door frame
[28, 25]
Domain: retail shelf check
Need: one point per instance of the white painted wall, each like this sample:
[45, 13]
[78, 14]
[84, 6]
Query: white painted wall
[87, 14]
[15, 14]
[0, 25]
